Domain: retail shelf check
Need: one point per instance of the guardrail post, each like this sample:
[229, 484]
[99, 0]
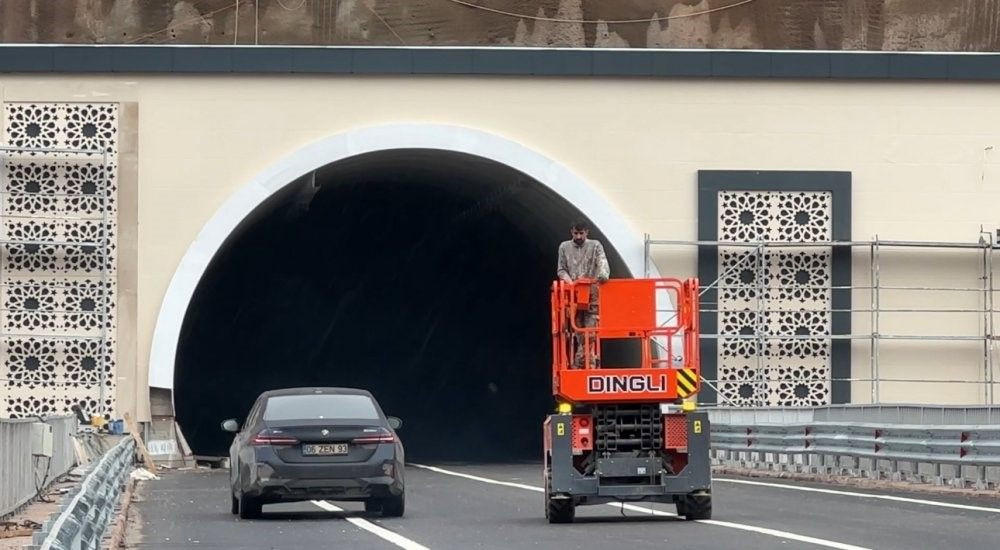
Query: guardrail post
[981, 478]
[958, 479]
[938, 478]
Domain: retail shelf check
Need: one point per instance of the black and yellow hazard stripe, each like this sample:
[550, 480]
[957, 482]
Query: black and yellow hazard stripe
[687, 382]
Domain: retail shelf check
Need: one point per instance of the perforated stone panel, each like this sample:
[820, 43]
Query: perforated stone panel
[778, 296]
[58, 276]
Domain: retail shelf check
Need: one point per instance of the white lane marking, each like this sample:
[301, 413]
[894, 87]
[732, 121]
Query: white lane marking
[717, 523]
[863, 495]
[477, 478]
[395, 538]
[783, 534]
[742, 527]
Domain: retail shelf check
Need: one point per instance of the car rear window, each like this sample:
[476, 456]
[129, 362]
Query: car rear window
[307, 407]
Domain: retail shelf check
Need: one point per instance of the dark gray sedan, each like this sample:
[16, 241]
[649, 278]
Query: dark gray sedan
[316, 444]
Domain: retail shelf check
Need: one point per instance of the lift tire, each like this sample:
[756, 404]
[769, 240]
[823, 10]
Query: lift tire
[558, 510]
[695, 507]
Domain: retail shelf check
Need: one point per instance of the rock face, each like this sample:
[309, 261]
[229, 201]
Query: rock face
[956, 25]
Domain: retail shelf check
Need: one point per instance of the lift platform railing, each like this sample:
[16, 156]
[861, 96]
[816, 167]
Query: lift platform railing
[625, 311]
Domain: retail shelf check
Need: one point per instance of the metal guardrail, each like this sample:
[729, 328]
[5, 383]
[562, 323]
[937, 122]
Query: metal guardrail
[972, 445]
[21, 474]
[933, 415]
[85, 514]
[865, 441]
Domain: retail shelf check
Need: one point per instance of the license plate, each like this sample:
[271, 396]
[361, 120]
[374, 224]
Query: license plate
[325, 449]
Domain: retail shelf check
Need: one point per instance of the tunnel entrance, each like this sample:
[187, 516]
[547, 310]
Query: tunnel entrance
[420, 275]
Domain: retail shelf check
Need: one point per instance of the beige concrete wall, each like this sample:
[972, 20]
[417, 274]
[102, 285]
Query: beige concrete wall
[916, 151]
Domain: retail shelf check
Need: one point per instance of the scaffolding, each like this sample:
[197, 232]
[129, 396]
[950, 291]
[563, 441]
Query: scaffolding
[57, 251]
[876, 291]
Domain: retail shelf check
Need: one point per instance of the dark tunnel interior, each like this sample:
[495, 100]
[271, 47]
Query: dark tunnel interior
[422, 276]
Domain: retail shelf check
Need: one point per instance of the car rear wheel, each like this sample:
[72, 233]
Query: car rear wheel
[389, 507]
[250, 508]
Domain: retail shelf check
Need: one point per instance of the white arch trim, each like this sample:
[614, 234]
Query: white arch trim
[616, 230]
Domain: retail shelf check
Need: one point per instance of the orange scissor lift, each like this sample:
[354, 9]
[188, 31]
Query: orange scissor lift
[627, 428]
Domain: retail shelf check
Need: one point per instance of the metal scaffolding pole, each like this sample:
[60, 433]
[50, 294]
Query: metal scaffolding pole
[876, 333]
[760, 329]
[875, 309]
[804, 244]
[645, 255]
[990, 334]
[988, 376]
[104, 259]
[871, 319]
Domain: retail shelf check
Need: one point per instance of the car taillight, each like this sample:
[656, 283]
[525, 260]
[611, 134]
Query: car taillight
[382, 436]
[267, 438]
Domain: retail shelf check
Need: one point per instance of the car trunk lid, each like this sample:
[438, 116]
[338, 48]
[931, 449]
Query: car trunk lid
[361, 438]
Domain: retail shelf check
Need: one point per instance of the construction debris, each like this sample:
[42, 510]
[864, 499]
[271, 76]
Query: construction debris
[143, 474]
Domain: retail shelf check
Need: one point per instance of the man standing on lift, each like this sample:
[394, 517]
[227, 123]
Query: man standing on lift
[583, 258]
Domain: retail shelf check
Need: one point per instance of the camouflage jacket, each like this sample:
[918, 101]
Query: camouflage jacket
[583, 261]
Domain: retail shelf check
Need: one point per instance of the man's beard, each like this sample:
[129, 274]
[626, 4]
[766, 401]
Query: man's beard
[579, 242]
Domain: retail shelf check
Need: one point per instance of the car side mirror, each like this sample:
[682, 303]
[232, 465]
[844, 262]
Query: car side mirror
[230, 425]
[395, 423]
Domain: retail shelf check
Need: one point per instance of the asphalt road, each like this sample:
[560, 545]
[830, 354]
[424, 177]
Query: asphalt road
[500, 506]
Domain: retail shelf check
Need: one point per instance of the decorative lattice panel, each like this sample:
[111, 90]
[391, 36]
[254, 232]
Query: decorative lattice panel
[774, 301]
[58, 260]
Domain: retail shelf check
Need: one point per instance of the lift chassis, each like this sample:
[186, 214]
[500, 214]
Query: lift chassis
[627, 427]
